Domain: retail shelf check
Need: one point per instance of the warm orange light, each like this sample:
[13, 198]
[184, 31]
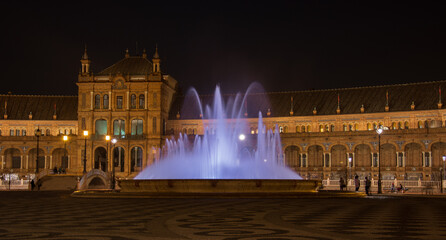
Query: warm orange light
[85, 133]
[65, 138]
[107, 138]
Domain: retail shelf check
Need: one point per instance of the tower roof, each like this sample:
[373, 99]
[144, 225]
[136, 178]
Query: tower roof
[132, 65]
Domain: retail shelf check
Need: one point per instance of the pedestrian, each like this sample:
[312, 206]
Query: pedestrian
[60, 170]
[392, 188]
[341, 184]
[39, 184]
[33, 185]
[368, 183]
[357, 183]
[55, 170]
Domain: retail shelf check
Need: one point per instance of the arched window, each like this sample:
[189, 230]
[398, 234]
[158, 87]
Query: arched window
[327, 128]
[393, 125]
[420, 124]
[302, 129]
[119, 127]
[136, 159]
[344, 127]
[374, 126]
[369, 126]
[400, 125]
[137, 127]
[154, 125]
[350, 127]
[321, 128]
[23, 132]
[133, 101]
[285, 129]
[308, 128]
[141, 101]
[100, 127]
[97, 101]
[105, 103]
[252, 130]
[48, 132]
[406, 125]
[332, 128]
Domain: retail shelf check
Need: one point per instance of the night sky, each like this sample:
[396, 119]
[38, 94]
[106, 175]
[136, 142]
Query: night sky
[284, 45]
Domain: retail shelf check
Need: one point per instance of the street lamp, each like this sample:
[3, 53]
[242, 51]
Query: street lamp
[107, 139]
[114, 140]
[85, 151]
[349, 167]
[38, 132]
[379, 131]
[65, 139]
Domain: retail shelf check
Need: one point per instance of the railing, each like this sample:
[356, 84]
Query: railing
[413, 186]
[119, 137]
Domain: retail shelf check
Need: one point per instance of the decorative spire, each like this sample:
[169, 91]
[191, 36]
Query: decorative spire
[5, 116]
[85, 56]
[362, 108]
[291, 107]
[127, 55]
[30, 115]
[269, 112]
[156, 55]
[178, 115]
[387, 101]
[412, 106]
[338, 110]
[439, 98]
[314, 111]
[144, 54]
[55, 112]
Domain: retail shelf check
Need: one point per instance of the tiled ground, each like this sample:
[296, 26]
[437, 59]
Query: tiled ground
[55, 215]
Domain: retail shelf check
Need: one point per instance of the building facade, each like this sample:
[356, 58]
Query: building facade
[325, 133]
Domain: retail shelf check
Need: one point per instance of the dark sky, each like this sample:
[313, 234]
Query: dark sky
[284, 45]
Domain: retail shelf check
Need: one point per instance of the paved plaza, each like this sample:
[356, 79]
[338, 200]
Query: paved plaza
[56, 215]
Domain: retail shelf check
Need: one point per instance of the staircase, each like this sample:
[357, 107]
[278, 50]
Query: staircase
[59, 182]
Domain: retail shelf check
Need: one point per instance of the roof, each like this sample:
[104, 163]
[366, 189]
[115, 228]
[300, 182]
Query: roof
[134, 65]
[425, 96]
[18, 107]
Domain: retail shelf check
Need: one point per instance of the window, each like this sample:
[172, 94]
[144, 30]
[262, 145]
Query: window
[280, 129]
[154, 125]
[327, 160]
[420, 124]
[303, 129]
[136, 158]
[406, 125]
[344, 127]
[48, 132]
[252, 131]
[23, 132]
[119, 102]
[119, 127]
[133, 101]
[427, 159]
[321, 128]
[304, 160]
[375, 160]
[84, 100]
[83, 124]
[400, 159]
[394, 125]
[137, 127]
[17, 132]
[308, 128]
[350, 127]
[327, 128]
[141, 101]
[0, 132]
[400, 125]
[332, 128]
[100, 127]
[369, 126]
[105, 103]
[11, 132]
[374, 126]
[97, 101]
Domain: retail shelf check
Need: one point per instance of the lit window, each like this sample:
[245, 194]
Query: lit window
[23, 132]
[105, 103]
[11, 132]
[48, 132]
[133, 101]
[137, 126]
[252, 131]
[281, 129]
[119, 102]
[118, 127]
[17, 132]
[321, 128]
[406, 125]
[97, 101]
[141, 101]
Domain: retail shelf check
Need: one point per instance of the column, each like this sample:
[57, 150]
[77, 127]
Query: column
[329, 160]
[110, 100]
[69, 161]
[45, 166]
[372, 159]
[128, 100]
[353, 160]
[3, 162]
[423, 159]
[91, 100]
[430, 159]
[404, 159]
[396, 159]
[27, 161]
[51, 162]
[21, 162]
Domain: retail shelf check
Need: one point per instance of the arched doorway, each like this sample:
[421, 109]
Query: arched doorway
[136, 159]
[388, 155]
[363, 157]
[413, 152]
[13, 158]
[100, 159]
[118, 158]
[438, 151]
[339, 156]
[292, 156]
[315, 156]
[60, 158]
[32, 155]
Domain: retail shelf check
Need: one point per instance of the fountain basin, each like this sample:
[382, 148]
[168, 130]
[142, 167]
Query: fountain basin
[219, 186]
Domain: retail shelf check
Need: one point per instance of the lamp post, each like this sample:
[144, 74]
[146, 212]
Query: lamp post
[65, 139]
[379, 131]
[349, 168]
[442, 177]
[85, 151]
[107, 139]
[114, 140]
[38, 132]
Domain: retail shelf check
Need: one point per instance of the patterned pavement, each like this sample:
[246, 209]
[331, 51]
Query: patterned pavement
[56, 215]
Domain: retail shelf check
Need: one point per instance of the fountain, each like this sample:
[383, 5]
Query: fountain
[220, 160]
